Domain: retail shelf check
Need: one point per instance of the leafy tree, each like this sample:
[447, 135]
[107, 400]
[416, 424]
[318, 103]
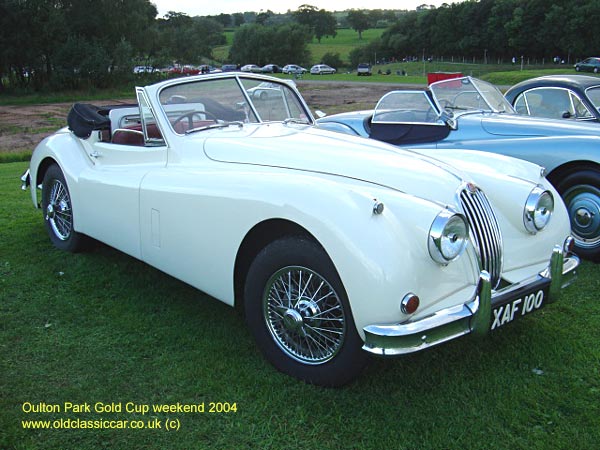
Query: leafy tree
[332, 60]
[324, 25]
[224, 19]
[305, 15]
[29, 32]
[263, 17]
[366, 53]
[319, 21]
[81, 63]
[238, 19]
[358, 20]
[253, 43]
[497, 32]
[189, 39]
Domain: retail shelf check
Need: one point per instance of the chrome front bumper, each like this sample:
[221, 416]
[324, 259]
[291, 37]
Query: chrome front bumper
[25, 180]
[474, 316]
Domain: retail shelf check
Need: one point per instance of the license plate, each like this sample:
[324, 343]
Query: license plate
[519, 307]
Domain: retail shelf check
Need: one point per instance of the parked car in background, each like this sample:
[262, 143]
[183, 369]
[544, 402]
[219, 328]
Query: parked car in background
[470, 113]
[205, 68]
[265, 91]
[575, 97]
[229, 68]
[588, 65]
[364, 69]
[144, 69]
[321, 69]
[186, 70]
[251, 68]
[271, 68]
[293, 68]
[335, 246]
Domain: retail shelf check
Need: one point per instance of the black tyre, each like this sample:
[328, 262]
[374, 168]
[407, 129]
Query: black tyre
[297, 309]
[581, 193]
[58, 212]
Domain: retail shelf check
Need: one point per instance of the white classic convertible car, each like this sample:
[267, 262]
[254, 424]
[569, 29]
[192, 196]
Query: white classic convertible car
[336, 246]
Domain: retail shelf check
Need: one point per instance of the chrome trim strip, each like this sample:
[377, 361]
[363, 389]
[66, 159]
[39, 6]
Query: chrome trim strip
[474, 316]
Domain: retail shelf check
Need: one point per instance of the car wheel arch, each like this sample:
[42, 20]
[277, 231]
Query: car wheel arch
[257, 238]
[42, 168]
[569, 168]
[579, 186]
[40, 173]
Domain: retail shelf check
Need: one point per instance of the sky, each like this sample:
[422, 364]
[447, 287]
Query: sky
[212, 8]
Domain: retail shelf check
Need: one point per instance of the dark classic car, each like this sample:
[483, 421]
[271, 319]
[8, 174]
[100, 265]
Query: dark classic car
[558, 97]
[588, 65]
[467, 113]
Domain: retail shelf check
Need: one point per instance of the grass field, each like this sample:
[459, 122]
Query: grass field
[104, 329]
[345, 40]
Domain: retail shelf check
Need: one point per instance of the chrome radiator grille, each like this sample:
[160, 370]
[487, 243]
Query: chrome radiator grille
[485, 232]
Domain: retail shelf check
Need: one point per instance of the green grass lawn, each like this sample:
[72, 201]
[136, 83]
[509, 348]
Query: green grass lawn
[102, 327]
[345, 40]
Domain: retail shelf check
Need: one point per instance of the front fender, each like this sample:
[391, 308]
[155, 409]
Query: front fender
[379, 257]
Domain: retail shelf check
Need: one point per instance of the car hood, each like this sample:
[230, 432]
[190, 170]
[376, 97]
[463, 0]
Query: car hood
[518, 125]
[314, 150]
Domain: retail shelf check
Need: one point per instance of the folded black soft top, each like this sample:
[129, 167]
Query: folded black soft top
[84, 118]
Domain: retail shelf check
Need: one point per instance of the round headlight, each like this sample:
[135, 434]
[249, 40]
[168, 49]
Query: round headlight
[538, 209]
[448, 237]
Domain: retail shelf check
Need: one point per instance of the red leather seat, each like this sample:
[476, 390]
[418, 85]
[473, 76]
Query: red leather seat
[133, 135]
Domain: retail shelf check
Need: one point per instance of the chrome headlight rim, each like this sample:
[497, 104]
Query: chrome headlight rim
[448, 237]
[538, 210]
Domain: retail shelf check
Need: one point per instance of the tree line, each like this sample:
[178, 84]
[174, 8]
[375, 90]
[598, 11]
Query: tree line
[493, 31]
[62, 44]
[95, 43]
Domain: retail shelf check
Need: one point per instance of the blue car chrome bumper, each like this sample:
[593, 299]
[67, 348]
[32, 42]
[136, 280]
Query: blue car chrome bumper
[486, 311]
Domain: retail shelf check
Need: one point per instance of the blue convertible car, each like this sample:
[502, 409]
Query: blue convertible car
[468, 113]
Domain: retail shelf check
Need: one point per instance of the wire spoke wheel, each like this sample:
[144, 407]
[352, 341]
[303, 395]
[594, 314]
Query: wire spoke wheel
[298, 311]
[304, 315]
[58, 212]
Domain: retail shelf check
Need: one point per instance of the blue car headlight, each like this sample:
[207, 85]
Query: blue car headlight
[538, 209]
[448, 237]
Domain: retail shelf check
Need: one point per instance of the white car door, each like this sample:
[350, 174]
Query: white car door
[111, 185]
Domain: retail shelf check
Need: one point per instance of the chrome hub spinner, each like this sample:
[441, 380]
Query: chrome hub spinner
[304, 315]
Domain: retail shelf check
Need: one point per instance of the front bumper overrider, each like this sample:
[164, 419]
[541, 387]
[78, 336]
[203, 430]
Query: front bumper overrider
[474, 316]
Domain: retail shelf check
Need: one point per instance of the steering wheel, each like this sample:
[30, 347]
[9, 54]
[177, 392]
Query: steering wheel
[189, 116]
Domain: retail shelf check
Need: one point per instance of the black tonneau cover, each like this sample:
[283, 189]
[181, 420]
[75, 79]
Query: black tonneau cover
[84, 118]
